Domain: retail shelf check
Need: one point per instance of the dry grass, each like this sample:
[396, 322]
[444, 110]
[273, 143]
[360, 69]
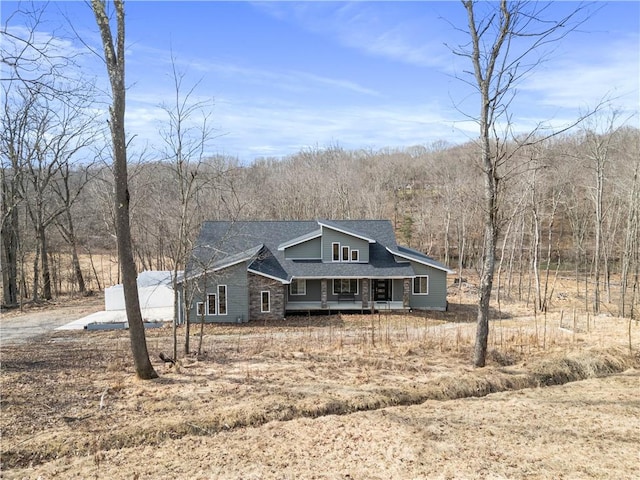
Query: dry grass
[357, 396]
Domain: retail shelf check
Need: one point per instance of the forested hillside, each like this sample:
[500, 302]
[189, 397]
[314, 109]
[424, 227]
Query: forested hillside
[570, 206]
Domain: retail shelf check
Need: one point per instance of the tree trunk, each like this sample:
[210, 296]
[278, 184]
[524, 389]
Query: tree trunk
[483, 71]
[546, 297]
[114, 58]
[186, 300]
[630, 252]
[75, 261]
[36, 271]
[46, 273]
[598, 240]
[9, 260]
[488, 268]
[535, 258]
[93, 267]
[204, 310]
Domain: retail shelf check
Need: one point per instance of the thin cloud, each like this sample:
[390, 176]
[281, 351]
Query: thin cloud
[571, 82]
[370, 28]
[288, 80]
[290, 127]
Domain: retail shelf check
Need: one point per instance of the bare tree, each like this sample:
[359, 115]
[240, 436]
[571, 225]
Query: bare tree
[31, 59]
[14, 148]
[498, 65]
[599, 146]
[60, 130]
[186, 139]
[114, 56]
[631, 247]
[39, 172]
[29, 62]
[68, 189]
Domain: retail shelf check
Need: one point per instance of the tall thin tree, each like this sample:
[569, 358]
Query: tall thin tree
[114, 55]
[507, 42]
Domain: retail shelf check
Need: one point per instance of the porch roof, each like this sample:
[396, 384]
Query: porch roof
[376, 269]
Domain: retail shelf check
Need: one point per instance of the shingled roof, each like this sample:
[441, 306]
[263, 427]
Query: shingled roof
[262, 243]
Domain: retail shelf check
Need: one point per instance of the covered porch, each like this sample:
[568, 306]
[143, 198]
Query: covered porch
[347, 294]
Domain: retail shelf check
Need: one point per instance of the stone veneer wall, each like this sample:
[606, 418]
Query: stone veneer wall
[323, 293]
[406, 293]
[365, 292]
[258, 284]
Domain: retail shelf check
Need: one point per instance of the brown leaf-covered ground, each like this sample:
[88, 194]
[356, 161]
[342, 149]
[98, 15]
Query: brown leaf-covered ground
[353, 396]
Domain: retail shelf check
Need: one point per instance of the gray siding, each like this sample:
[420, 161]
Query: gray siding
[235, 278]
[397, 289]
[437, 297]
[305, 250]
[313, 293]
[330, 236]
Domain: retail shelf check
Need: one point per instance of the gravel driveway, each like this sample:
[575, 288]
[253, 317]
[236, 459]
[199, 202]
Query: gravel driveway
[20, 327]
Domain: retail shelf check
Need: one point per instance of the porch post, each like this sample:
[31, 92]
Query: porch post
[323, 293]
[406, 292]
[365, 293]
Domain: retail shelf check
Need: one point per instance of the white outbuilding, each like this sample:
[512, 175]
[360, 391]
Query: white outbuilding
[155, 290]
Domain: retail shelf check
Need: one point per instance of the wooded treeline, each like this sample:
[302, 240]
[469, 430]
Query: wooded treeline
[570, 206]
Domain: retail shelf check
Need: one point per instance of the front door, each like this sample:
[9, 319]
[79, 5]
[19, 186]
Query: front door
[381, 290]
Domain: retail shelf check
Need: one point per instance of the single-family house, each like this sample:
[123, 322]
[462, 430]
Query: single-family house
[264, 270]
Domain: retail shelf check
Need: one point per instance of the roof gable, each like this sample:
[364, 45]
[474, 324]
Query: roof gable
[343, 229]
[198, 268]
[301, 239]
[419, 257]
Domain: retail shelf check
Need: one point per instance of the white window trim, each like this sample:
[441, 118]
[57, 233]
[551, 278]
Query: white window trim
[413, 286]
[333, 286]
[333, 258]
[342, 249]
[226, 301]
[215, 304]
[304, 287]
[199, 309]
[262, 310]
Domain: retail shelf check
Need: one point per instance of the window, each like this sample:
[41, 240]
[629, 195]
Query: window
[343, 253]
[421, 285]
[222, 299]
[265, 301]
[211, 304]
[298, 286]
[200, 309]
[345, 285]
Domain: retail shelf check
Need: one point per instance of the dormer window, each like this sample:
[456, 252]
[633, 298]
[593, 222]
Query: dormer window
[344, 253]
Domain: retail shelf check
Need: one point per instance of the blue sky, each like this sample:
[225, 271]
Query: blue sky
[286, 76]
